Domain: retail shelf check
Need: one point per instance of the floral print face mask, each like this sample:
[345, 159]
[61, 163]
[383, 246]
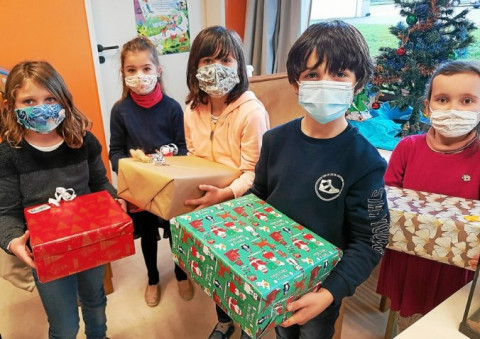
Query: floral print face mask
[42, 118]
[217, 80]
[141, 84]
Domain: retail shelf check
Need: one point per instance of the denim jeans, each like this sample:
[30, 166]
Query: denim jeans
[59, 299]
[320, 327]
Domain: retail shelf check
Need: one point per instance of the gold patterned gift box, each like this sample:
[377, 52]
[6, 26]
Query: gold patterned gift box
[434, 226]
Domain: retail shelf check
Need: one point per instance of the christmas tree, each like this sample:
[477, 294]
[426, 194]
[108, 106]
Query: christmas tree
[431, 35]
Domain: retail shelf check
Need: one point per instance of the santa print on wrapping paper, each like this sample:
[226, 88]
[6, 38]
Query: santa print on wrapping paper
[233, 305]
[300, 244]
[248, 289]
[195, 269]
[271, 211]
[258, 264]
[271, 256]
[234, 290]
[295, 264]
[231, 226]
[251, 260]
[218, 231]
[260, 216]
[197, 254]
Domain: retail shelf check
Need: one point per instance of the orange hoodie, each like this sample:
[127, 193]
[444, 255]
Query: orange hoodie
[235, 140]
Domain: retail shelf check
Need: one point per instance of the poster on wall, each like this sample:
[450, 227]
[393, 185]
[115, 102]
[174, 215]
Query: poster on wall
[165, 22]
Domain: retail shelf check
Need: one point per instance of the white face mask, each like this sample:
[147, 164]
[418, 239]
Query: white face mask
[325, 100]
[452, 123]
[141, 84]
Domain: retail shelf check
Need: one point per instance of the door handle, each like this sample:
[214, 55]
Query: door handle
[100, 48]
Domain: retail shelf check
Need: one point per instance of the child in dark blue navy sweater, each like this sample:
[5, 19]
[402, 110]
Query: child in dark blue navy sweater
[145, 118]
[322, 173]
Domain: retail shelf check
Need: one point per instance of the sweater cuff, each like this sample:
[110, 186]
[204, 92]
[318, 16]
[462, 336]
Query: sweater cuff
[8, 248]
[337, 286]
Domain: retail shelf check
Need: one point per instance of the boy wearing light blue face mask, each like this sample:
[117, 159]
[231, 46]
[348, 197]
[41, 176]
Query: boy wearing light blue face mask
[337, 190]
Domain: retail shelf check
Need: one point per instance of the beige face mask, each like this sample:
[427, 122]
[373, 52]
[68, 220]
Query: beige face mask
[141, 84]
[453, 123]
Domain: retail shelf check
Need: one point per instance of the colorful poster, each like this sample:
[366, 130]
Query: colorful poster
[165, 22]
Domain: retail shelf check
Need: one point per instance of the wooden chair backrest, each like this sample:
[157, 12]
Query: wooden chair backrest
[278, 97]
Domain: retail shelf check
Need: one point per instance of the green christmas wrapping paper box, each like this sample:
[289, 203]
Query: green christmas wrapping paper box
[251, 259]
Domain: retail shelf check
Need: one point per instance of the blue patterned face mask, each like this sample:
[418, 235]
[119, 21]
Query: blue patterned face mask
[42, 118]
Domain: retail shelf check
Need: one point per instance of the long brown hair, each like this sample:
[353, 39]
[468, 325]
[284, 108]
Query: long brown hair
[72, 128]
[138, 44]
[219, 42]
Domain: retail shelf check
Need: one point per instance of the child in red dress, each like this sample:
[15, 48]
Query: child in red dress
[446, 161]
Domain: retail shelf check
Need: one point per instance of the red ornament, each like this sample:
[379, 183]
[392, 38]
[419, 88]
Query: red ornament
[376, 105]
[401, 51]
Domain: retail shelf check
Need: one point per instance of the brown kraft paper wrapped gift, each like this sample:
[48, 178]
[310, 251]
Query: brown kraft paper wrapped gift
[163, 189]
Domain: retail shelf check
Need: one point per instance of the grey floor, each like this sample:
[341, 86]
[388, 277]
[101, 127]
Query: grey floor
[22, 315]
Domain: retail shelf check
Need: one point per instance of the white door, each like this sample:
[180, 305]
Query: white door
[112, 23]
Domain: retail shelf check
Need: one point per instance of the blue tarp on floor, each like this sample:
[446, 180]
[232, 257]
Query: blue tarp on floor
[381, 130]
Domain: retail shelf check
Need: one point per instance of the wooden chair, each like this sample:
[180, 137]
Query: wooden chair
[278, 97]
[391, 328]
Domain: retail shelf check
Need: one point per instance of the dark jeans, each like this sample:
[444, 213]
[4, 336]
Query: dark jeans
[147, 224]
[320, 327]
[59, 299]
[222, 316]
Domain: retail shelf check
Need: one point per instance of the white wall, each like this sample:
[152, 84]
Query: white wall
[112, 22]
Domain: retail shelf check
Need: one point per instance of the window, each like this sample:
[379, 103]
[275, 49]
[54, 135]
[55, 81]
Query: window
[373, 18]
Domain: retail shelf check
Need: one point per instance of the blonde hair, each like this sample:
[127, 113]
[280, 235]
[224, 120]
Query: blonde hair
[73, 127]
